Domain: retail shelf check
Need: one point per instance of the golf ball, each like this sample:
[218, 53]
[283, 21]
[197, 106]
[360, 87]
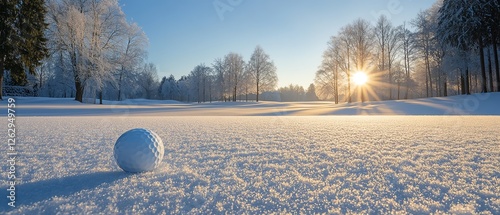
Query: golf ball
[138, 150]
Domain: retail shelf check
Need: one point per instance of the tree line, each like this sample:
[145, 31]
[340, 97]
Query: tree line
[229, 78]
[451, 50]
[88, 49]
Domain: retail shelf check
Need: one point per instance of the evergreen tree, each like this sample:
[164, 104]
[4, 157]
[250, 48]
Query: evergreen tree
[31, 27]
[311, 93]
[8, 39]
[22, 41]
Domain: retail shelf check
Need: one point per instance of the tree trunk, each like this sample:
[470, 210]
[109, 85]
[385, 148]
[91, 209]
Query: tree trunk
[462, 83]
[390, 79]
[41, 77]
[348, 75]
[483, 67]
[234, 94]
[428, 67]
[467, 81]
[426, 81]
[336, 84]
[204, 91]
[407, 64]
[257, 90]
[120, 85]
[476, 88]
[79, 90]
[438, 85]
[100, 97]
[445, 86]
[497, 66]
[1, 78]
[490, 71]
[210, 91]
[399, 87]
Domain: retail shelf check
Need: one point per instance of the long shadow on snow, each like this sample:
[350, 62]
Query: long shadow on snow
[30, 193]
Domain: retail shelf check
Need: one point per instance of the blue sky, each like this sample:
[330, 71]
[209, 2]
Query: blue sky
[185, 33]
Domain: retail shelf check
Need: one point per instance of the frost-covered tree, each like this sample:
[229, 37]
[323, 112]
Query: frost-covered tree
[234, 66]
[89, 32]
[346, 46]
[393, 50]
[465, 24]
[424, 41]
[59, 82]
[169, 88]
[328, 77]
[356, 43]
[221, 81]
[381, 32]
[183, 84]
[263, 71]
[248, 83]
[384, 33]
[408, 46]
[148, 81]
[362, 38]
[292, 93]
[492, 17]
[130, 53]
[199, 82]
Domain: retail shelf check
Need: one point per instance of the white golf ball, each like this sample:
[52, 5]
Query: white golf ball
[138, 150]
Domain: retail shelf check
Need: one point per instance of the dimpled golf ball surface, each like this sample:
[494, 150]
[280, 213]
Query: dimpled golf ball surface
[138, 150]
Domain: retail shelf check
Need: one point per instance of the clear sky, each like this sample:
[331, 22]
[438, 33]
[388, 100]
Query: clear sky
[185, 33]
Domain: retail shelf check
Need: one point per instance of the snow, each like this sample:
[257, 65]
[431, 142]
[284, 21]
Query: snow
[476, 104]
[273, 162]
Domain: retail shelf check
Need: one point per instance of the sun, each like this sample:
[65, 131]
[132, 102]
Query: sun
[360, 78]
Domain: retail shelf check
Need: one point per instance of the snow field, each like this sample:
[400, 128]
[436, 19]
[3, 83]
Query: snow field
[357, 164]
[476, 104]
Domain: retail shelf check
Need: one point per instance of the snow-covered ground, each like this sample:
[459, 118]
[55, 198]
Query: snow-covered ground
[476, 104]
[260, 164]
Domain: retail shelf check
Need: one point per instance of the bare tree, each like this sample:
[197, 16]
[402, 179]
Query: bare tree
[199, 79]
[381, 32]
[234, 66]
[408, 46]
[131, 54]
[393, 47]
[221, 83]
[423, 39]
[346, 44]
[263, 71]
[362, 44]
[148, 81]
[388, 44]
[327, 78]
[248, 83]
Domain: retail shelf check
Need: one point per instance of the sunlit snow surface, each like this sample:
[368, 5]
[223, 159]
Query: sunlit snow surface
[261, 164]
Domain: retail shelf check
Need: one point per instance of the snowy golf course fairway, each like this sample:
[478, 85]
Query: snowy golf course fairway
[260, 158]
